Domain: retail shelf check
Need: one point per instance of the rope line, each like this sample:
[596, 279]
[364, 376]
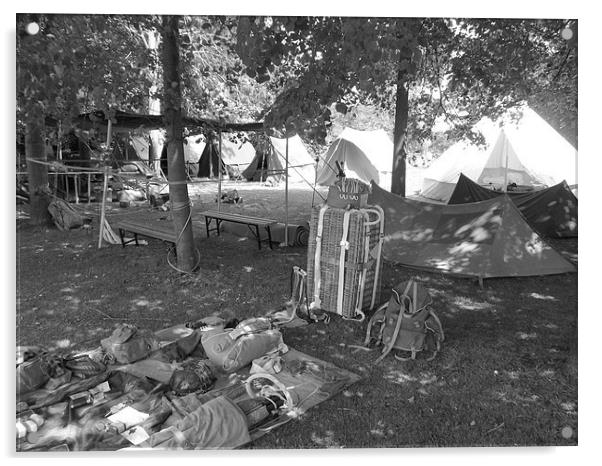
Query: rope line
[175, 207]
[173, 266]
[312, 186]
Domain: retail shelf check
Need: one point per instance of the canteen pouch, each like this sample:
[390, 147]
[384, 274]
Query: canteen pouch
[128, 344]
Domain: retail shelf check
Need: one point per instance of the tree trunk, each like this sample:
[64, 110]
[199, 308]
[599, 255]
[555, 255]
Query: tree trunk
[398, 178]
[178, 190]
[37, 170]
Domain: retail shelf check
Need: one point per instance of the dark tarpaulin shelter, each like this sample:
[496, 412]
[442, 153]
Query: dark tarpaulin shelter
[482, 239]
[128, 121]
[552, 212]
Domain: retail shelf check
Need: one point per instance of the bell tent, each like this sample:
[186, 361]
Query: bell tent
[482, 239]
[531, 153]
[441, 176]
[270, 161]
[528, 154]
[462, 157]
[364, 155]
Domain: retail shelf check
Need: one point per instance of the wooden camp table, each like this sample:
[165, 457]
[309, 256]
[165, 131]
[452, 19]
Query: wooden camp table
[251, 222]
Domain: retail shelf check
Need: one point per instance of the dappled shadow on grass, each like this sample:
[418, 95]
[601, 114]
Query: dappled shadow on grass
[498, 340]
[91, 290]
[516, 337]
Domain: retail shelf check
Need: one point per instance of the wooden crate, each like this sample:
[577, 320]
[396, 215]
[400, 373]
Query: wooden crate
[362, 260]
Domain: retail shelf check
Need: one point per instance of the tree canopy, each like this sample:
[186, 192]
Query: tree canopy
[77, 63]
[458, 69]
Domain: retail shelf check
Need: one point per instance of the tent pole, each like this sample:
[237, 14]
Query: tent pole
[505, 187]
[313, 191]
[210, 151]
[286, 196]
[109, 131]
[76, 187]
[219, 173]
[59, 149]
[105, 186]
[576, 171]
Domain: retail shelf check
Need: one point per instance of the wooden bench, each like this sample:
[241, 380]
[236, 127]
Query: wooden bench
[158, 229]
[251, 222]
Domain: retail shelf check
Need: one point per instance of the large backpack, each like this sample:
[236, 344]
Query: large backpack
[406, 323]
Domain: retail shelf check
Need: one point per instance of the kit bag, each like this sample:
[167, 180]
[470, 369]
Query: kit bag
[65, 217]
[406, 323]
[231, 349]
[32, 374]
[128, 344]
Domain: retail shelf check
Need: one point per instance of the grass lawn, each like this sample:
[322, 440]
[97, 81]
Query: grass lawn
[507, 374]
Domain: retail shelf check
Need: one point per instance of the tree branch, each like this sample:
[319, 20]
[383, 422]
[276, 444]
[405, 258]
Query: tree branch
[566, 56]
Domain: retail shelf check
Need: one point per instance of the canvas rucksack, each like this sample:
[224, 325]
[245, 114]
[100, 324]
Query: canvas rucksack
[406, 323]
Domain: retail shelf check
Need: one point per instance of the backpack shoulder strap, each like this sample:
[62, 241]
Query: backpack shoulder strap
[389, 347]
[433, 324]
[377, 318]
[439, 329]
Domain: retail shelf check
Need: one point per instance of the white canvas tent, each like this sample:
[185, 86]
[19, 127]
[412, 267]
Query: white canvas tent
[237, 154]
[441, 177]
[301, 165]
[530, 153]
[193, 148]
[365, 155]
[141, 146]
[270, 163]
